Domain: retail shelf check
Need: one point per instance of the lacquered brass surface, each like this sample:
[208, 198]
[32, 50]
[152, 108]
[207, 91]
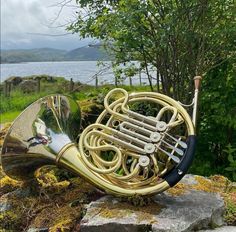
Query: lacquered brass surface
[128, 137]
[72, 161]
[38, 134]
[126, 152]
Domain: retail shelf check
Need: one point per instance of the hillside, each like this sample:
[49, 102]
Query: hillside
[32, 55]
[87, 53]
[50, 54]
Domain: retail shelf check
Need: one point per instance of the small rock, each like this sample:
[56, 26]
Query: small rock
[189, 180]
[28, 86]
[14, 80]
[5, 203]
[4, 206]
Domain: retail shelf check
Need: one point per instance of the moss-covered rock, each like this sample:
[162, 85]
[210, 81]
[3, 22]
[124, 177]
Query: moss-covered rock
[52, 179]
[3, 132]
[57, 218]
[90, 109]
[56, 203]
[230, 214]
[213, 184]
[7, 184]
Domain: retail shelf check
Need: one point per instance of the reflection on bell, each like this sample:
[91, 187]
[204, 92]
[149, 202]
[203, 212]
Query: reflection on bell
[38, 134]
[123, 153]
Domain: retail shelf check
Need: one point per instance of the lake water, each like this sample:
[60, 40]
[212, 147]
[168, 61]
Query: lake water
[82, 71]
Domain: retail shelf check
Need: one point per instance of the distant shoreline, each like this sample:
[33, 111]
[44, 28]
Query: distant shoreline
[53, 55]
[82, 71]
[54, 61]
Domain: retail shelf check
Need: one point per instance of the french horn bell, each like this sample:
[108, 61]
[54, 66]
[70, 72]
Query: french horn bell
[126, 152]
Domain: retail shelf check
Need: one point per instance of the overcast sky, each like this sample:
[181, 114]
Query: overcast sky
[24, 21]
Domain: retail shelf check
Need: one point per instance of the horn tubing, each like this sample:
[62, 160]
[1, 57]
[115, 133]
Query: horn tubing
[71, 160]
[29, 146]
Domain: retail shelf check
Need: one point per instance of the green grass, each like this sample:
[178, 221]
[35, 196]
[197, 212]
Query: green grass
[9, 116]
[18, 100]
[10, 107]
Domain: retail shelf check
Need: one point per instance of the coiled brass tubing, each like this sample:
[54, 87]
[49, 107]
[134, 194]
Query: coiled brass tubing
[127, 139]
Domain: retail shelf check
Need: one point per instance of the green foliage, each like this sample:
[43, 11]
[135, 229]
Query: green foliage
[231, 152]
[217, 120]
[108, 155]
[178, 38]
[145, 108]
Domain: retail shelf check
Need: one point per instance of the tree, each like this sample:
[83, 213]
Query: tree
[179, 38]
[217, 121]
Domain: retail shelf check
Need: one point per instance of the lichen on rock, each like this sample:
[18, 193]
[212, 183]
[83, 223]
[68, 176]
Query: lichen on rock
[123, 209]
[90, 111]
[50, 178]
[54, 201]
[177, 190]
[3, 132]
[8, 185]
[213, 184]
[57, 218]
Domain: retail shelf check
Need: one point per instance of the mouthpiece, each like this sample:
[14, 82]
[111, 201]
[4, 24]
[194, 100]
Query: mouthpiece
[197, 81]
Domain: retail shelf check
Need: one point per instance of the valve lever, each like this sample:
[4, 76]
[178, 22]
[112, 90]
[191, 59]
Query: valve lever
[177, 150]
[173, 157]
[179, 142]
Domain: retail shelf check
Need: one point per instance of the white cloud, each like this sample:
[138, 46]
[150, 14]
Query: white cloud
[24, 24]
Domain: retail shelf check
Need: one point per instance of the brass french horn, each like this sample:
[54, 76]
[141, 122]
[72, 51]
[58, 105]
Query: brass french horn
[125, 152]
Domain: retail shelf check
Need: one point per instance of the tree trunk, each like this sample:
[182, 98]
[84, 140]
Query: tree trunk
[130, 81]
[140, 78]
[116, 82]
